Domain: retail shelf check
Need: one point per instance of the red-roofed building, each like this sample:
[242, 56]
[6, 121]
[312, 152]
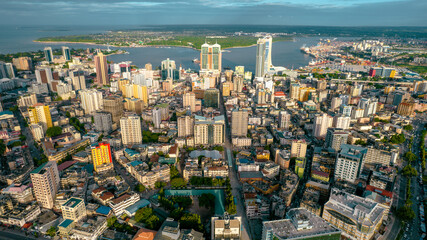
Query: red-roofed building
[65, 165]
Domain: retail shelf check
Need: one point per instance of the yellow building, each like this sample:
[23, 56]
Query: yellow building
[226, 89]
[40, 114]
[304, 93]
[101, 156]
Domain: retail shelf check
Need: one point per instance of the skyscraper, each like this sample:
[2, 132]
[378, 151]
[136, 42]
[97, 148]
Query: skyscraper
[40, 114]
[185, 126]
[101, 156]
[349, 163]
[189, 100]
[114, 105]
[239, 123]
[341, 121]
[335, 137]
[157, 117]
[238, 84]
[169, 70]
[321, 125]
[210, 57]
[66, 53]
[103, 122]
[78, 80]
[284, 120]
[209, 131]
[48, 54]
[131, 130]
[298, 148]
[102, 77]
[211, 97]
[44, 75]
[6, 70]
[45, 180]
[91, 100]
[23, 63]
[263, 56]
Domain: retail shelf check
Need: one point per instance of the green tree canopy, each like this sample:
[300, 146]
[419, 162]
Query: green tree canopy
[53, 131]
[178, 182]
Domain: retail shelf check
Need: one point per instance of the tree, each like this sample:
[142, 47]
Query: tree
[408, 127]
[218, 148]
[174, 172]
[409, 156]
[22, 138]
[111, 221]
[53, 131]
[159, 184]
[207, 200]
[397, 138]
[360, 142]
[408, 170]
[51, 231]
[405, 213]
[178, 182]
[68, 114]
[191, 221]
[140, 188]
[143, 214]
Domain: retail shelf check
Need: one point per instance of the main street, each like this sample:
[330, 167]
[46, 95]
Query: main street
[234, 181]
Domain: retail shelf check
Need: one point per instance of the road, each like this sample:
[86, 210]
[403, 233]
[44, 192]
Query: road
[9, 234]
[234, 180]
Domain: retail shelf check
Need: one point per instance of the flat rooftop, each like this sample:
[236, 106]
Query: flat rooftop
[301, 224]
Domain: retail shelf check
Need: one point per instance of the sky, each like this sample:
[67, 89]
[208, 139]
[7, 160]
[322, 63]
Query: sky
[253, 12]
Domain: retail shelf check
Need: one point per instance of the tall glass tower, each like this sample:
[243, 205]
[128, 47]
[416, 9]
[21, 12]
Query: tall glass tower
[263, 56]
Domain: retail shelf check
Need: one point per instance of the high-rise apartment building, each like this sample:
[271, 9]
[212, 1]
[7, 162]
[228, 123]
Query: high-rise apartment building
[349, 163]
[341, 121]
[40, 114]
[114, 105]
[378, 156]
[369, 106]
[131, 130]
[6, 70]
[23, 63]
[157, 117]
[185, 126]
[209, 131]
[238, 84]
[78, 80]
[239, 70]
[103, 122]
[298, 148]
[168, 70]
[91, 100]
[45, 180]
[48, 54]
[284, 120]
[189, 100]
[335, 137]
[294, 91]
[44, 75]
[263, 56]
[211, 97]
[345, 110]
[210, 57]
[335, 103]
[226, 88]
[321, 125]
[101, 156]
[406, 108]
[66, 53]
[239, 123]
[102, 77]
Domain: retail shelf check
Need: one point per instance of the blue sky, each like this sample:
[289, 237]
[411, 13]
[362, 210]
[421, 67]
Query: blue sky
[278, 12]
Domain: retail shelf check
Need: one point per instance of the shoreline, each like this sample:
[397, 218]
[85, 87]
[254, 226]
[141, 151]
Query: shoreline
[143, 46]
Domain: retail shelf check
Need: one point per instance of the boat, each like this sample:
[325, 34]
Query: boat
[196, 60]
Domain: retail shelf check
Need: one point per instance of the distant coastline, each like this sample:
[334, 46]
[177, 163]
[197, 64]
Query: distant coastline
[151, 46]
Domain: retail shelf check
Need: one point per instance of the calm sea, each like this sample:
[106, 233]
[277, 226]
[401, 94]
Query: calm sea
[20, 39]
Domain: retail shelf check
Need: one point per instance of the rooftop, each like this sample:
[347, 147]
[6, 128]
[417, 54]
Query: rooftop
[65, 223]
[72, 202]
[301, 224]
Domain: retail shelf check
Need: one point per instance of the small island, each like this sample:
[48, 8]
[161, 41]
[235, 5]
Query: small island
[161, 39]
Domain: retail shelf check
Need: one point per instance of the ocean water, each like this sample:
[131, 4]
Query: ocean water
[20, 39]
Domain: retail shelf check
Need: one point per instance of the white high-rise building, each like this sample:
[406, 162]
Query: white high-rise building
[239, 123]
[284, 120]
[263, 56]
[335, 103]
[45, 180]
[321, 125]
[78, 80]
[66, 53]
[369, 106]
[157, 117]
[341, 121]
[131, 130]
[185, 126]
[91, 100]
[189, 100]
[345, 110]
[349, 163]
